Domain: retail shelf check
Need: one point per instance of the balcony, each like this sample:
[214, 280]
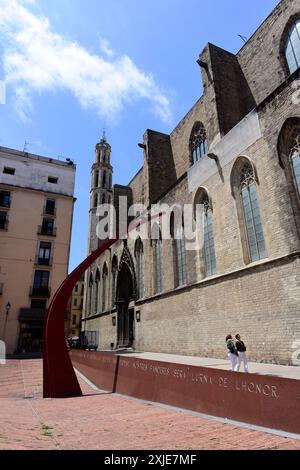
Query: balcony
[46, 231]
[32, 314]
[43, 261]
[39, 291]
[49, 211]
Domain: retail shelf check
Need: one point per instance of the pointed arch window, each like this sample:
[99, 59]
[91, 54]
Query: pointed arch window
[97, 290]
[104, 179]
[292, 50]
[208, 238]
[254, 230]
[90, 294]
[96, 200]
[114, 270]
[180, 257]
[139, 255]
[198, 143]
[103, 199]
[295, 157]
[289, 159]
[177, 234]
[96, 178]
[104, 286]
[203, 209]
[158, 260]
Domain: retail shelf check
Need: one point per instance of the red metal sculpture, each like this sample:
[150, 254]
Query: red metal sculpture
[59, 378]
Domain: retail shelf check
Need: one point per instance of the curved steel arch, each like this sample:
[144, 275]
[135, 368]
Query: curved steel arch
[59, 378]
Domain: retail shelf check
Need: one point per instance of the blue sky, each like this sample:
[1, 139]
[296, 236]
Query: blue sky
[73, 66]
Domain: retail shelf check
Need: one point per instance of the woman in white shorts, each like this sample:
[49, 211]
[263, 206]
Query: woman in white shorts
[231, 352]
[241, 349]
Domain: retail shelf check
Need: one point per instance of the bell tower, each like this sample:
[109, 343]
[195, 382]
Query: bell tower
[101, 187]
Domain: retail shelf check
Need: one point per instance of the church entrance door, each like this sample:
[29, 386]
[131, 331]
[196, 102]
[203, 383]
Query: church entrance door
[125, 314]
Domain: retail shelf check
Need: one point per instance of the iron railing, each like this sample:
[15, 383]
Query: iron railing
[40, 291]
[46, 231]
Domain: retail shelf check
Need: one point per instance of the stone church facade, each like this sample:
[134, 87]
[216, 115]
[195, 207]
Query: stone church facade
[236, 156]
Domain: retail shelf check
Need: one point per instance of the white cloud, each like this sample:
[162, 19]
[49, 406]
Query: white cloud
[105, 47]
[37, 59]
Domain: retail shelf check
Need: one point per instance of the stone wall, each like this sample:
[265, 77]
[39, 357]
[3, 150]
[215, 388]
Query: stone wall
[260, 303]
[262, 58]
[137, 187]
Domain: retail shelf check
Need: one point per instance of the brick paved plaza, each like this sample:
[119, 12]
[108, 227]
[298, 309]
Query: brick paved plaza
[106, 421]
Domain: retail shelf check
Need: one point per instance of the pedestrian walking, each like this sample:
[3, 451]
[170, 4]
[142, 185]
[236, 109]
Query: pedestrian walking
[241, 349]
[231, 352]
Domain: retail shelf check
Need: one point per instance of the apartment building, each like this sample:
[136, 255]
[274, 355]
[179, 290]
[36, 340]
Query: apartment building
[36, 210]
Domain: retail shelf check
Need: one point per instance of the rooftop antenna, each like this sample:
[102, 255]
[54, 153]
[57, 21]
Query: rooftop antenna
[243, 38]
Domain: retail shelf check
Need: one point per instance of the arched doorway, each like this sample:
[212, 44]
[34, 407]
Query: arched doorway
[126, 292]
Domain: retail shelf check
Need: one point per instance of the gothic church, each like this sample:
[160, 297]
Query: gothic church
[236, 153]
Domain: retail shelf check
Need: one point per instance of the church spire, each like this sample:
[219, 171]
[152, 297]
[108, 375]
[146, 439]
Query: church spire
[101, 185]
[103, 135]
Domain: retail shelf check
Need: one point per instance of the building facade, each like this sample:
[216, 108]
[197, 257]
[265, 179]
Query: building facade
[36, 209]
[235, 159]
[75, 315]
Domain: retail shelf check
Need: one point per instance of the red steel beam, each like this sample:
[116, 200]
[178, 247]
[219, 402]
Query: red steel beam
[59, 378]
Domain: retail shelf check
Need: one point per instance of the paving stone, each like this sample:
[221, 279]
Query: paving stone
[108, 421]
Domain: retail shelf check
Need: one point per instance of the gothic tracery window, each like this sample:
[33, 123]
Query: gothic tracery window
[139, 254]
[289, 159]
[158, 266]
[292, 50]
[248, 192]
[295, 157]
[90, 294]
[104, 286]
[198, 143]
[114, 280]
[180, 255]
[208, 238]
[158, 261]
[177, 234]
[97, 282]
